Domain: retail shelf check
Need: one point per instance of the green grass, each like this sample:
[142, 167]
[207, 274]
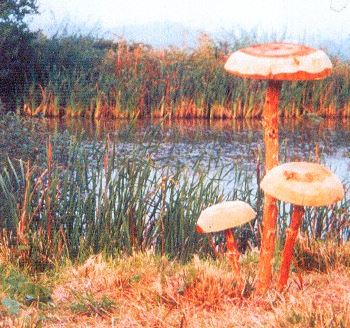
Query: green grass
[19, 286]
[86, 304]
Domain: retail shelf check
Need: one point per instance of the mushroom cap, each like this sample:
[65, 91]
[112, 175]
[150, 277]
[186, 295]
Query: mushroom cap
[303, 183]
[279, 61]
[224, 216]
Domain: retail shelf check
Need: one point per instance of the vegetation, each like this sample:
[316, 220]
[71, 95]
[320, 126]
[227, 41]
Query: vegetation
[17, 48]
[76, 75]
[93, 200]
[145, 290]
[96, 78]
[87, 200]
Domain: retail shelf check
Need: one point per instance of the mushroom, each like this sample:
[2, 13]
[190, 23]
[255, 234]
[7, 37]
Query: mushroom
[275, 62]
[222, 217]
[301, 184]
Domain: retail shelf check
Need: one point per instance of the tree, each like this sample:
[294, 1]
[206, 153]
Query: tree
[14, 11]
[17, 53]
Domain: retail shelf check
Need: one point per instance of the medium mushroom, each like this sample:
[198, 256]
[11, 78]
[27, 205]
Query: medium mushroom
[222, 217]
[301, 184]
[275, 62]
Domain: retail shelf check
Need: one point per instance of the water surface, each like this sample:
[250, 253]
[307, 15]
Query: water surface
[184, 142]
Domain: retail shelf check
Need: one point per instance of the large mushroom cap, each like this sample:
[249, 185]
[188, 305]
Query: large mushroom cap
[304, 184]
[224, 216]
[279, 61]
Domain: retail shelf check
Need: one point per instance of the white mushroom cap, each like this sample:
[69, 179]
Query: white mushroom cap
[279, 61]
[225, 215]
[304, 184]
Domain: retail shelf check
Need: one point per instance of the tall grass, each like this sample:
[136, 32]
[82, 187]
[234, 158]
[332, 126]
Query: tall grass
[106, 203]
[95, 200]
[101, 79]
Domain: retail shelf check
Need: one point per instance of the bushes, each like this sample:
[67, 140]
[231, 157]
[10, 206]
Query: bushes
[17, 51]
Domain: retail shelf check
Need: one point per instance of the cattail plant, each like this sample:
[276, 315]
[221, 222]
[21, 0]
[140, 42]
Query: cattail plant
[133, 80]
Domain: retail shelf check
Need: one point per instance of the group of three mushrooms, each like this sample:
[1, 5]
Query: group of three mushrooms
[300, 183]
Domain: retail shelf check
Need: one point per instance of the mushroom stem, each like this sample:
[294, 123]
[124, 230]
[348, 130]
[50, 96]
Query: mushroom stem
[292, 233]
[233, 252]
[270, 115]
[270, 121]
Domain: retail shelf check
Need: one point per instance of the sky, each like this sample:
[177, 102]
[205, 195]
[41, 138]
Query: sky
[299, 18]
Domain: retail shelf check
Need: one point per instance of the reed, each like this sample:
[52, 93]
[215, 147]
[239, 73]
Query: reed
[102, 202]
[135, 81]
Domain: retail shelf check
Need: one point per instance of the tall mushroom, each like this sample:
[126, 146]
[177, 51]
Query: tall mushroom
[301, 184]
[222, 217]
[275, 62]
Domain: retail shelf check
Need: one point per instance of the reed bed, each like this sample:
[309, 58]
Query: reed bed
[137, 81]
[105, 202]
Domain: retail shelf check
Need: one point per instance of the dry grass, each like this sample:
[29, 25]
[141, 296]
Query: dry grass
[148, 291]
[321, 256]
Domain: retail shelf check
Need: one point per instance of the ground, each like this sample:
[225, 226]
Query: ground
[144, 290]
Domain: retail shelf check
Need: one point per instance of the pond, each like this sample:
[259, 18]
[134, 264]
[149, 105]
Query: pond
[186, 141]
[183, 142]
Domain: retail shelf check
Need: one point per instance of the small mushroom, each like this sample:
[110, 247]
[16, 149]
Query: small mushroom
[275, 62]
[222, 217]
[301, 184]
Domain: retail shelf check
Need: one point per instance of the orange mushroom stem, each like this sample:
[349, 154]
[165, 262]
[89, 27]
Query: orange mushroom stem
[269, 222]
[287, 256]
[270, 116]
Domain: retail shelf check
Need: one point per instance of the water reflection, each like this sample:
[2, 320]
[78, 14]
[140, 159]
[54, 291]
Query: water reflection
[241, 141]
[184, 127]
